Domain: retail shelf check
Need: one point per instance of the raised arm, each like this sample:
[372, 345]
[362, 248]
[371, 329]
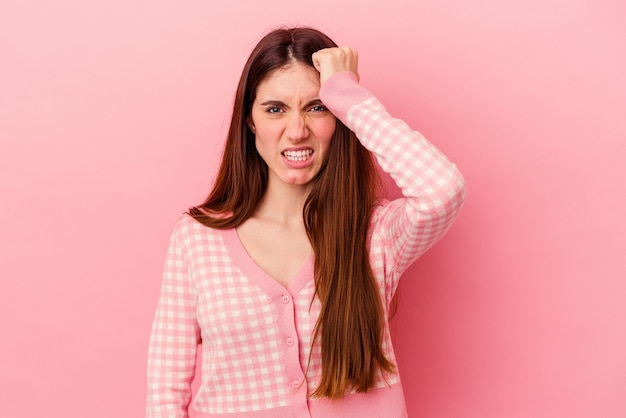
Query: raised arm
[433, 187]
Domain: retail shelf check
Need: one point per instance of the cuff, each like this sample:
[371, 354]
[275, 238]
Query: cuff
[342, 91]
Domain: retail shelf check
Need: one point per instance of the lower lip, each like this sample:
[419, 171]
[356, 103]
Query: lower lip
[298, 164]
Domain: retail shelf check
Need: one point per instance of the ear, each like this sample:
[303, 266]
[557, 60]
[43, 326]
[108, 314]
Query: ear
[250, 124]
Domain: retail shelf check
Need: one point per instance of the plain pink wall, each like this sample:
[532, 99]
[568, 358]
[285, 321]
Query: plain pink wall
[111, 120]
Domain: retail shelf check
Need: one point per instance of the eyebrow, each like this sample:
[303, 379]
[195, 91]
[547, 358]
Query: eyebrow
[283, 104]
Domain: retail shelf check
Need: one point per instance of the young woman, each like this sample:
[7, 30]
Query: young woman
[286, 273]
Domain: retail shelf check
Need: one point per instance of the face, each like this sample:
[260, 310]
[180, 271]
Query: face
[293, 129]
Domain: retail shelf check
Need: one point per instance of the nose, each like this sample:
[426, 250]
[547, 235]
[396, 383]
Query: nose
[297, 128]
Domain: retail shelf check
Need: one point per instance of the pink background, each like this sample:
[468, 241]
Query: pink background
[112, 115]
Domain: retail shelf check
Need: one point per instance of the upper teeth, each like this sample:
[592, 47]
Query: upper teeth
[300, 155]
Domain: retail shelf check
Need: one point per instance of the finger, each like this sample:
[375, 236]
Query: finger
[317, 58]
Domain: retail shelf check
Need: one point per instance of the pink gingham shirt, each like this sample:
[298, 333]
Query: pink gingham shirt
[255, 334]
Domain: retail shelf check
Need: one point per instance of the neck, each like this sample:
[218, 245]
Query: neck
[283, 203]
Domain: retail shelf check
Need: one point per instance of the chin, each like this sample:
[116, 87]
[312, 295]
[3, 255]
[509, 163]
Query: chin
[299, 182]
[300, 179]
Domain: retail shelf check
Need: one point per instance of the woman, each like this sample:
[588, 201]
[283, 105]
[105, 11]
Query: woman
[286, 273]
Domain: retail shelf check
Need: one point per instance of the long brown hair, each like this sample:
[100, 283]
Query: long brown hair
[336, 216]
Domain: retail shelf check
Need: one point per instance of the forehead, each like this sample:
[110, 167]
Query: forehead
[290, 81]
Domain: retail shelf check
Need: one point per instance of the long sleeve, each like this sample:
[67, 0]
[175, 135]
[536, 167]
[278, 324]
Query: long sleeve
[433, 187]
[174, 339]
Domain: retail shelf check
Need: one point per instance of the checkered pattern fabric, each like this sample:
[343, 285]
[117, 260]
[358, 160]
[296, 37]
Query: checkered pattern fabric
[256, 334]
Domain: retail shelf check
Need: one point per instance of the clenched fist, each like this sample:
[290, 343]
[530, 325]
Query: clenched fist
[329, 61]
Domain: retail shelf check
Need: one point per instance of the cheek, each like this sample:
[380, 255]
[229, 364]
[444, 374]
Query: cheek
[263, 128]
[266, 135]
[325, 131]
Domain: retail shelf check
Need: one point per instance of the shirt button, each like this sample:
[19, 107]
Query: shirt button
[285, 299]
[295, 384]
[289, 341]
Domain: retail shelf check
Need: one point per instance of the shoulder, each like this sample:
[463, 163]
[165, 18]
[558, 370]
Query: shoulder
[188, 231]
[380, 210]
[385, 216]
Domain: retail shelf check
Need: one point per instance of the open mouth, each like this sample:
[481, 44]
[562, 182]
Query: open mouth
[300, 155]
